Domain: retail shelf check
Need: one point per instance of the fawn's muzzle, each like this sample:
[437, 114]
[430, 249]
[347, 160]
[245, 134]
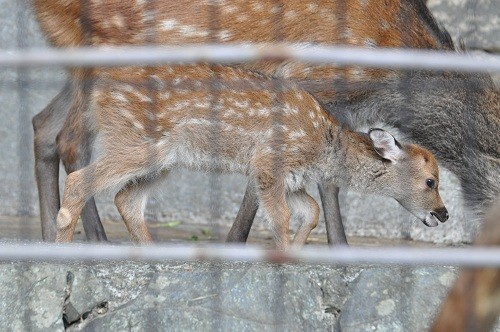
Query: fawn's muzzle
[441, 214]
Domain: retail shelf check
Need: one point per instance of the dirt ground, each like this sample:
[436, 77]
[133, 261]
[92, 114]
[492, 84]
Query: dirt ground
[29, 229]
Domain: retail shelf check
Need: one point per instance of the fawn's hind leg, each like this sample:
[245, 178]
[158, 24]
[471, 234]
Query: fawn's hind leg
[131, 202]
[307, 210]
[85, 183]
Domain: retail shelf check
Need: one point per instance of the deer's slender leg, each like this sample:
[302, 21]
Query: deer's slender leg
[46, 125]
[330, 200]
[131, 202]
[246, 214]
[74, 143]
[86, 182]
[307, 210]
[272, 199]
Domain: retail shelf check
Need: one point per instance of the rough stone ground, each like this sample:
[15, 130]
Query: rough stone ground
[119, 296]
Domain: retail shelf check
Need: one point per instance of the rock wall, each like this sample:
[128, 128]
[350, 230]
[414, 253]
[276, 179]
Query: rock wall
[229, 297]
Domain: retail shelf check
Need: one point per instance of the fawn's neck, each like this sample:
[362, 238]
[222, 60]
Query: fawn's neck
[350, 161]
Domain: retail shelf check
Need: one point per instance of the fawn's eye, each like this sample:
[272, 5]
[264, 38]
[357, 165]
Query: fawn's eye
[430, 183]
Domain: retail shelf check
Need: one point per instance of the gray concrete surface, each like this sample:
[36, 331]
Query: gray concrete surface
[192, 197]
[229, 297]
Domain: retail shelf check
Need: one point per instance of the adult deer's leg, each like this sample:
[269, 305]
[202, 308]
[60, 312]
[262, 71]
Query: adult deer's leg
[246, 214]
[329, 194]
[74, 143]
[46, 125]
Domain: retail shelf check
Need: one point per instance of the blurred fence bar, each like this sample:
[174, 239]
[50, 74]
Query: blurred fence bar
[468, 257]
[224, 53]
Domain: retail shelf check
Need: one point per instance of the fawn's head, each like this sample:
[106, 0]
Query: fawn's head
[413, 177]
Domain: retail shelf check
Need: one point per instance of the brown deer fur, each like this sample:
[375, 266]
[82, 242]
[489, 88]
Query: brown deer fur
[473, 303]
[151, 120]
[375, 23]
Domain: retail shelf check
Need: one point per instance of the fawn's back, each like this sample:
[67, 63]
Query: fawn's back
[241, 113]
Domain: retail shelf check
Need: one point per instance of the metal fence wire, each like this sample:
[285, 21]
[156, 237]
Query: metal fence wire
[225, 81]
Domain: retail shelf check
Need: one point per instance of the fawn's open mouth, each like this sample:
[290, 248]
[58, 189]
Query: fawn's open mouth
[430, 220]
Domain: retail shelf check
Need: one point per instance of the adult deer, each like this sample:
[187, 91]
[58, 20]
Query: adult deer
[473, 303]
[151, 120]
[464, 108]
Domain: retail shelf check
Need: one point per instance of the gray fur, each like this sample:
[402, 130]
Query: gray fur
[455, 116]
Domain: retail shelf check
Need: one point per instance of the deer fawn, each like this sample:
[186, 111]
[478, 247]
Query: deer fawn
[279, 136]
[394, 97]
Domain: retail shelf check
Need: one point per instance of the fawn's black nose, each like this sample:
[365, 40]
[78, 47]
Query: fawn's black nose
[441, 214]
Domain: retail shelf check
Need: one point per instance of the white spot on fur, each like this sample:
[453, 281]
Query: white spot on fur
[180, 106]
[242, 18]
[282, 127]
[168, 25]
[201, 104]
[264, 112]
[194, 121]
[291, 14]
[138, 125]
[312, 7]
[118, 21]
[229, 113]
[275, 10]
[288, 109]
[117, 96]
[257, 6]
[384, 25]
[143, 97]
[186, 30]
[230, 9]
[242, 104]
[297, 134]
[224, 35]
[150, 115]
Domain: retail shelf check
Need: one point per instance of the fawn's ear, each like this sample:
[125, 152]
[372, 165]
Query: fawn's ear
[385, 145]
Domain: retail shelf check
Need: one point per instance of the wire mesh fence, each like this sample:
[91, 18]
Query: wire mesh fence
[226, 77]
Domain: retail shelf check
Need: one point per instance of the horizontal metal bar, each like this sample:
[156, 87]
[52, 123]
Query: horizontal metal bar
[469, 257]
[224, 53]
